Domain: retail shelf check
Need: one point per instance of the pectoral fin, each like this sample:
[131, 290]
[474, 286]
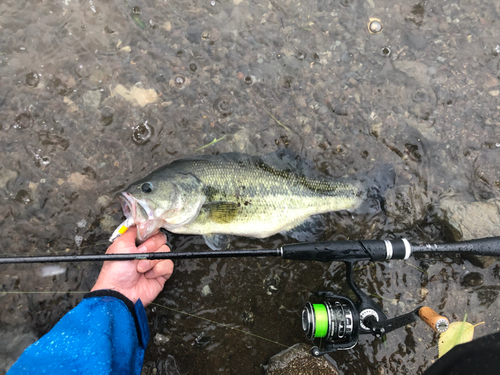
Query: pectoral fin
[221, 212]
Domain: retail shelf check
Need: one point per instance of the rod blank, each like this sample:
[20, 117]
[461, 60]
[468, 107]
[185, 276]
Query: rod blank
[137, 256]
[338, 251]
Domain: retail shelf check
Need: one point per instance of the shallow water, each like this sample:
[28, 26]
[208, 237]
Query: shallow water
[95, 95]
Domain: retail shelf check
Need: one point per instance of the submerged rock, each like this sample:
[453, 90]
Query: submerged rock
[298, 360]
[472, 279]
[406, 205]
[472, 220]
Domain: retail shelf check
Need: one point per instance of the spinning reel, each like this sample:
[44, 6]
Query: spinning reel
[338, 321]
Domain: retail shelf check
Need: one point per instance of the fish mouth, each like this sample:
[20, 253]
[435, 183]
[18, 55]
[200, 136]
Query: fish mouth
[141, 214]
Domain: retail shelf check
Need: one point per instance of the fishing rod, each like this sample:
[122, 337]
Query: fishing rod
[329, 251]
[335, 321]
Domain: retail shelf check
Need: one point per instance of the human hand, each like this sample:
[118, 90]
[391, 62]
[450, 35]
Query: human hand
[136, 279]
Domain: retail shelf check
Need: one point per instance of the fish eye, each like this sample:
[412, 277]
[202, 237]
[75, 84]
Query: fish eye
[147, 187]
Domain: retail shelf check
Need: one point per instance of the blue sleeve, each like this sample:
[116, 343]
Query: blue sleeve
[105, 333]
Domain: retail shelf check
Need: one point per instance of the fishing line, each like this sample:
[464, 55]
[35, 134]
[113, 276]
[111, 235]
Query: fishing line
[165, 307]
[221, 324]
[41, 292]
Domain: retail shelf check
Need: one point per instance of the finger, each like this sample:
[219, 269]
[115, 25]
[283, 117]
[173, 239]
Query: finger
[153, 243]
[146, 265]
[164, 269]
[124, 243]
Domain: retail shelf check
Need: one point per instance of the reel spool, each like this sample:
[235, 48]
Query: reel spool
[328, 320]
[335, 322]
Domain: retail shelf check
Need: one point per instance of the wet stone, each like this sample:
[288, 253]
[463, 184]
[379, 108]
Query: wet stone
[467, 221]
[298, 360]
[108, 224]
[167, 366]
[5, 176]
[91, 99]
[414, 41]
[473, 279]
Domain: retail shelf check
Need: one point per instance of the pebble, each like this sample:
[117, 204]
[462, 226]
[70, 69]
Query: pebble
[205, 292]
[160, 339]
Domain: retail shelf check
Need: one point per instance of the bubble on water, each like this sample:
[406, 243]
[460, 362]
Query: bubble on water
[301, 56]
[179, 80]
[497, 145]
[347, 3]
[193, 67]
[249, 80]
[23, 121]
[23, 197]
[385, 51]
[374, 26]
[83, 70]
[41, 160]
[223, 106]
[136, 11]
[142, 133]
[179, 53]
[78, 240]
[32, 79]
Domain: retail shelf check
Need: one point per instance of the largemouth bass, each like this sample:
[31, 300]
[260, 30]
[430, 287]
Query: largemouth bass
[234, 194]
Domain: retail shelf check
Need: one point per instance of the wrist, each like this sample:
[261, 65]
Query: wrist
[106, 287]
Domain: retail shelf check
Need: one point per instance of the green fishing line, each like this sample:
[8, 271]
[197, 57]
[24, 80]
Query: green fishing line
[321, 318]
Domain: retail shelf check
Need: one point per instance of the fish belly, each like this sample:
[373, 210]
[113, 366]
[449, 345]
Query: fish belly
[268, 217]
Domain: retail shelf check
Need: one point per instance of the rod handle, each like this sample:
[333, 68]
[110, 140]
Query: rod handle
[348, 251]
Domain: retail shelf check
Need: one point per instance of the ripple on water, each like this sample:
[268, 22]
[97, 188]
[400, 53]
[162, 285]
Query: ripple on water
[142, 133]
